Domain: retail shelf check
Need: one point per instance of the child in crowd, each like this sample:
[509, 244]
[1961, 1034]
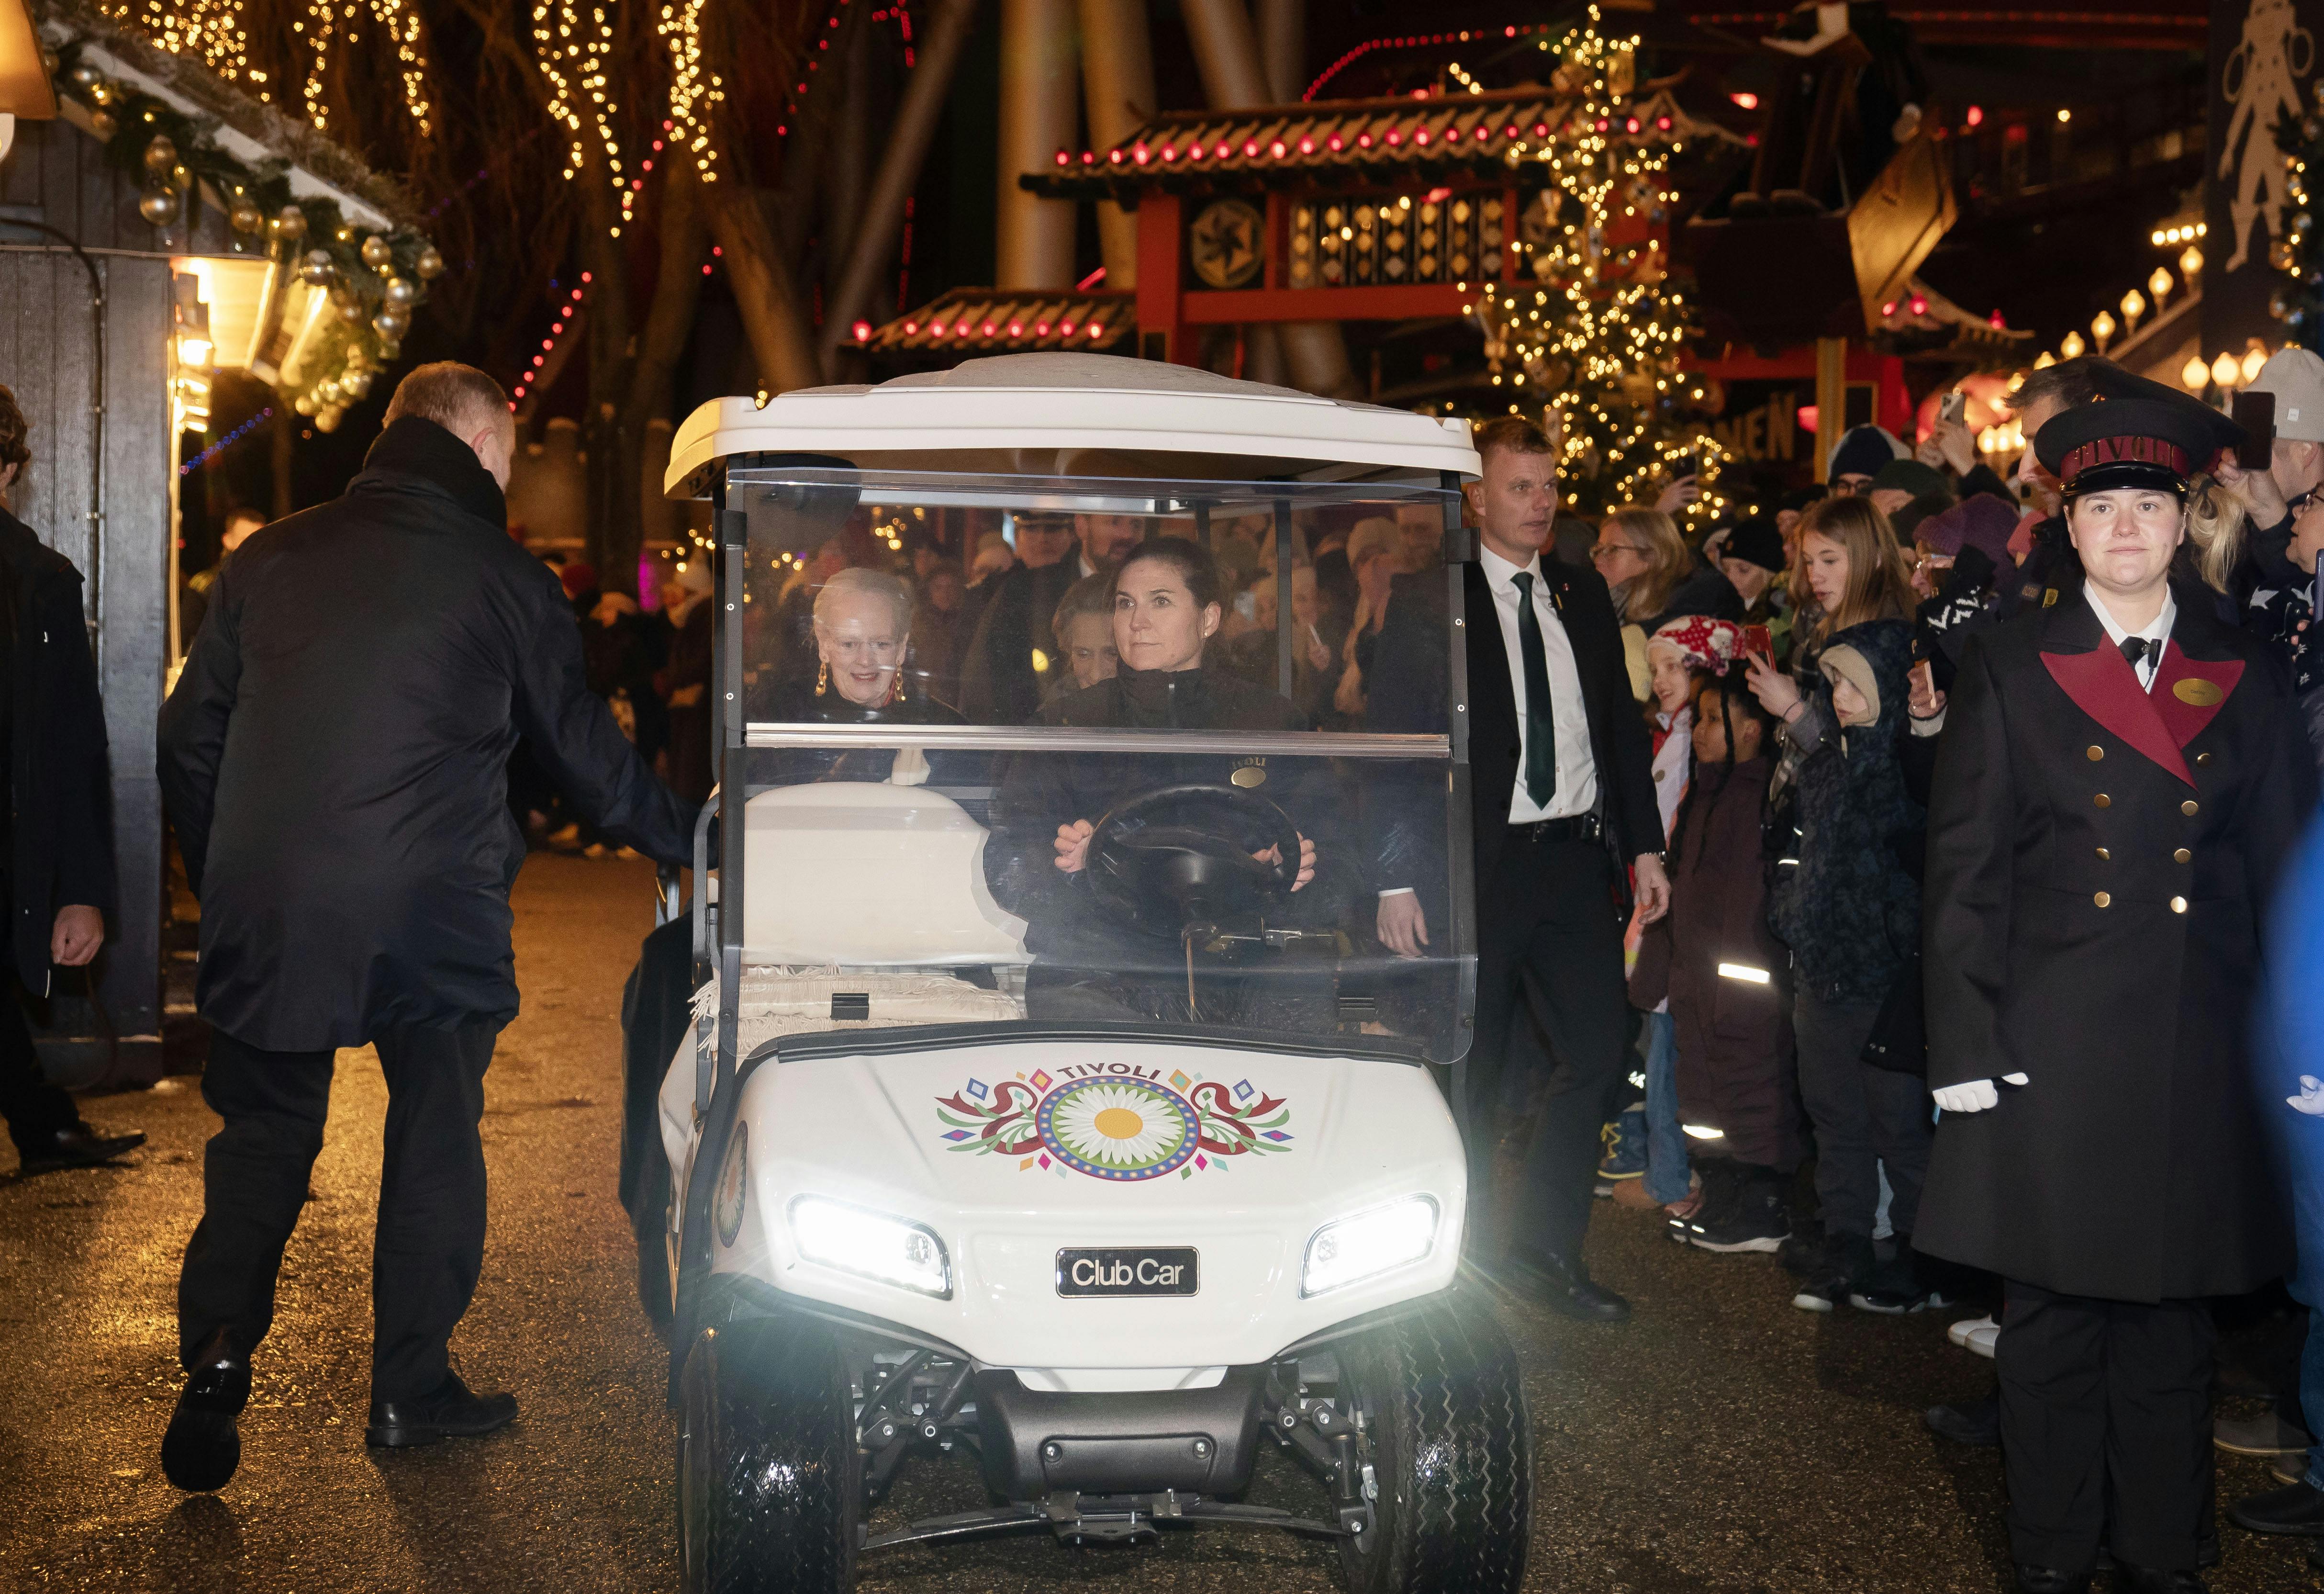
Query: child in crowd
[1737, 1082]
[1679, 656]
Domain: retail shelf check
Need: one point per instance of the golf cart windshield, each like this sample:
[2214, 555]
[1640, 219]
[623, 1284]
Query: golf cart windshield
[984, 786]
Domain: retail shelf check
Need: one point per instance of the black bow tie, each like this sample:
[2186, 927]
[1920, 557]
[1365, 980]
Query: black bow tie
[2134, 648]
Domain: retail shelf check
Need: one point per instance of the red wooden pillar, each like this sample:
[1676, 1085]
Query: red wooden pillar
[1161, 325]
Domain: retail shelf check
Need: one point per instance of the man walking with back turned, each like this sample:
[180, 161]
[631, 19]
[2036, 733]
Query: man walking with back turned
[334, 759]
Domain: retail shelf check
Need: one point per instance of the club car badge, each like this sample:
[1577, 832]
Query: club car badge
[1115, 1121]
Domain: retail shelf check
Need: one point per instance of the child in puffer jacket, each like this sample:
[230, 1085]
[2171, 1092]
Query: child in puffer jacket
[1851, 913]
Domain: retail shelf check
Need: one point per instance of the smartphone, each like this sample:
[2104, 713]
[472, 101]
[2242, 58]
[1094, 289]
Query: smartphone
[1757, 640]
[1684, 466]
[2255, 413]
[1955, 405]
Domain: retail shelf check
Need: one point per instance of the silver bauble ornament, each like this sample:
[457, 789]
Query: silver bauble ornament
[355, 383]
[84, 77]
[430, 265]
[327, 391]
[352, 311]
[160, 154]
[246, 216]
[102, 123]
[390, 349]
[290, 223]
[400, 292]
[304, 403]
[316, 269]
[158, 206]
[375, 251]
[390, 324]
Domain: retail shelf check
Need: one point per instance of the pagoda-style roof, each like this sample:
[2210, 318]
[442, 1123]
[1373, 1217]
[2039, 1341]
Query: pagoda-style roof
[1010, 320]
[1395, 141]
[1923, 322]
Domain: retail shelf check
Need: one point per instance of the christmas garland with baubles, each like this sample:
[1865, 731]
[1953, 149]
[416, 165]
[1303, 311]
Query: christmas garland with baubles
[375, 278]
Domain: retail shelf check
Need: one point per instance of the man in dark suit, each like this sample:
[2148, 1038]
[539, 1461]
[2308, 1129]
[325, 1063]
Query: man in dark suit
[2120, 782]
[1562, 793]
[56, 832]
[335, 760]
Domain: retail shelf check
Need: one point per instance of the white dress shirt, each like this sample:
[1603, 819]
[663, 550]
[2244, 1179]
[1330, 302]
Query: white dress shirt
[2157, 632]
[1577, 772]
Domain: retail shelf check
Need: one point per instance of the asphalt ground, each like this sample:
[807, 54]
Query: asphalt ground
[1722, 1440]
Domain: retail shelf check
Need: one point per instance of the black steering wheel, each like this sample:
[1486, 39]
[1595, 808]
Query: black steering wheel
[1180, 856]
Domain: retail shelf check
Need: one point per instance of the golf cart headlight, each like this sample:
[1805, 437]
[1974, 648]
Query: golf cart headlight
[872, 1244]
[1369, 1243]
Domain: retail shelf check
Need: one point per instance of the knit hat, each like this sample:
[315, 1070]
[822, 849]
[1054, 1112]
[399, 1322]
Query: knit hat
[1907, 520]
[1700, 642]
[1978, 521]
[1757, 541]
[2296, 377]
[1862, 450]
[1910, 475]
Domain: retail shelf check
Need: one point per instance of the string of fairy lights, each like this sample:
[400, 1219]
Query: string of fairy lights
[573, 53]
[695, 92]
[1599, 336]
[212, 32]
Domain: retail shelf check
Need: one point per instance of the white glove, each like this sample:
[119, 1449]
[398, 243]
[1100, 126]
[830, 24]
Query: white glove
[2310, 1099]
[1978, 1095]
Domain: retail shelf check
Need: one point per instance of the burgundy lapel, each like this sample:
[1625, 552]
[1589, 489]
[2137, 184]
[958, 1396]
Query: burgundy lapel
[2104, 687]
[2189, 691]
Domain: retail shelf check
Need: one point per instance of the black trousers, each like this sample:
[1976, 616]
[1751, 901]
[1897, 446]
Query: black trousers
[1547, 917]
[2106, 1418]
[34, 1107]
[430, 1245]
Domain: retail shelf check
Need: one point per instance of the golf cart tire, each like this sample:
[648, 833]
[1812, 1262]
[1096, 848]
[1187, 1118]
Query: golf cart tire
[771, 1483]
[650, 1223]
[1452, 1453]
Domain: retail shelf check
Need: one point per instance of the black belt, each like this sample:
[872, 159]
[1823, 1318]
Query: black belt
[1581, 826]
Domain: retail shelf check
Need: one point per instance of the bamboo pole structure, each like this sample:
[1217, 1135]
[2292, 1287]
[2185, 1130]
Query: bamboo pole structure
[1117, 87]
[1226, 52]
[1283, 48]
[947, 29]
[1037, 119]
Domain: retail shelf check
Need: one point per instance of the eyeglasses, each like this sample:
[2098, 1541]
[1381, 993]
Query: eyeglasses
[2299, 503]
[1606, 550]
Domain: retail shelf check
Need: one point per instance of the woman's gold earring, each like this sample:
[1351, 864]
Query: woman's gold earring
[823, 679]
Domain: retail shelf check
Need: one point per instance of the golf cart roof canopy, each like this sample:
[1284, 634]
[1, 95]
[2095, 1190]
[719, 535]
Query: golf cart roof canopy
[1072, 415]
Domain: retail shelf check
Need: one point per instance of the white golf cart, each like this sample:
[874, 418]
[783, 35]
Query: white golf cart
[1100, 1180]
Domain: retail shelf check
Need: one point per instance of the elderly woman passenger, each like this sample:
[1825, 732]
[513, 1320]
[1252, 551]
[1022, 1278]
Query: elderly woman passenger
[862, 633]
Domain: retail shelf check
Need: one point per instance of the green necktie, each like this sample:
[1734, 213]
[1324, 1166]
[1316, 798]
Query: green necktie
[1540, 727]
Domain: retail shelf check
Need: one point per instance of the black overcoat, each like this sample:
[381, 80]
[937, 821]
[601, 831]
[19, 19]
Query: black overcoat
[334, 755]
[60, 803]
[2100, 861]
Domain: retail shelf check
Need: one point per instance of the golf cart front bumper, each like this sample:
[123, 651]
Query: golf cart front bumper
[1035, 1443]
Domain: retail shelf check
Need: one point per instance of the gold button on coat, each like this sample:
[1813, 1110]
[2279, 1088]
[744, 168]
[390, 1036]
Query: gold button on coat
[2202, 759]
[2096, 752]
[2178, 904]
[2189, 808]
[2102, 800]
[2103, 898]
[2104, 854]
[2182, 857]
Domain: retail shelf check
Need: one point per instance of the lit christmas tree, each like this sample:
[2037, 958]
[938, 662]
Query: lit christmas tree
[2298, 304]
[1596, 335]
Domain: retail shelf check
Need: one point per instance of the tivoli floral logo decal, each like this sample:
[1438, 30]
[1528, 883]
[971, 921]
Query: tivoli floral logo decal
[1115, 1121]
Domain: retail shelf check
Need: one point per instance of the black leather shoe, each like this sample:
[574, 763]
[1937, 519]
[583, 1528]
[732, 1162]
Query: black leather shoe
[2297, 1509]
[201, 1449]
[1542, 1280]
[2154, 1579]
[451, 1412]
[80, 1146]
[1975, 1423]
[2049, 1580]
